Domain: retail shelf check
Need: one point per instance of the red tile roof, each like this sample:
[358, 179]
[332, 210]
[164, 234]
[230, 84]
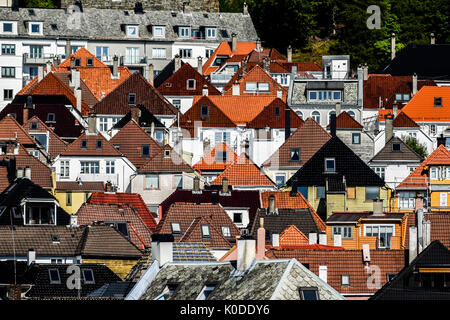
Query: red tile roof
[132, 199]
[309, 138]
[268, 118]
[97, 186]
[131, 138]
[208, 162]
[292, 236]
[400, 121]
[418, 178]
[243, 172]
[345, 121]
[138, 231]
[160, 162]
[177, 84]
[55, 145]
[191, 216]
[74, 149]
[11, 129]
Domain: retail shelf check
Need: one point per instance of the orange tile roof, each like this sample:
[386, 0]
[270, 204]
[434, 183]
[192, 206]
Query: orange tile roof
[11, 129]
[283, 200]
[242, 48]
[345, 121]
[400, 121]
[55, 145]
[74, 149]
[292, 236]
[243, 172]
[418, 178]
[208, 162]
[421, 107]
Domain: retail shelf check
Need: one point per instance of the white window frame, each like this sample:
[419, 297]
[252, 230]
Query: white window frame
[334, 162]
[159, 53]
[152, 187]
[64, 169]
[226, 231]
[161, 34]
[129, 28]
[30, 28]
[84, 276]
[406, 200]
[316, 116]
[211, 33]
[89, 167]
[184, 32]
[379, 230]
[110, 167]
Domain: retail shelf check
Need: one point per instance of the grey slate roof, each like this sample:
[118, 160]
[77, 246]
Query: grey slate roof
[405, 153]
[263, 280]
[354, 217]
[108, 24]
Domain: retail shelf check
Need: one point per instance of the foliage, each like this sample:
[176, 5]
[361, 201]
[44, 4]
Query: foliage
[40, 4]
[419, 148]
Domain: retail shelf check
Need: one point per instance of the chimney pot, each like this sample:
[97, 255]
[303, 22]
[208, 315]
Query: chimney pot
[177, 62]
[261, 239]
[196, 184]
[323, 239]
[92, 125]
[393, 46]
[245, 9]
[432, 38]
[115, 72]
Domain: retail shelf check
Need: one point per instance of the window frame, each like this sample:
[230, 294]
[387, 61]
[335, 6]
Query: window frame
[128, 31]
[206, 234]
[146, 177]
[365, 193]
[84, 276]
[304, 289]
[174, 231]
[8, 49]
[327, 170]
[357, 134]
[342, 232]
[161, 35]
[52, 280]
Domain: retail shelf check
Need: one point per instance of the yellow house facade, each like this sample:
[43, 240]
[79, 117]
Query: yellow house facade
[72, 195]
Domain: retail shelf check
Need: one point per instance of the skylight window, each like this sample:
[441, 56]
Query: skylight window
[438, 101]
[206, 292]
[84, 144]
[205, 231]
[396, 147]
[54, 276]
[176, 228]
[88, 276]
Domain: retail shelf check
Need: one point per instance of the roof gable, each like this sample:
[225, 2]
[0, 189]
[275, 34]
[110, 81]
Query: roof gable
[269, 118]
[346, 121]
[292, 236]
[161, 162]
[387, 153]
[422, 106]
[75, 148]
[209, 161]
[56, 144]
[12, 130]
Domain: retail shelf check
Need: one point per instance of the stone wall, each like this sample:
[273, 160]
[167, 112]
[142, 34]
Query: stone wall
[167, 5]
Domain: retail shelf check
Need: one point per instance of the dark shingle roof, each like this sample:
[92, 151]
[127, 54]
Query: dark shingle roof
[145, 120]
[388, 154]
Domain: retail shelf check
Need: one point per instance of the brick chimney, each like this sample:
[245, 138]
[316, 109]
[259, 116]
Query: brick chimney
[162, 248]
[289, 54]
[261, 240]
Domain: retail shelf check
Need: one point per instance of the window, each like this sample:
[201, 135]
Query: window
[316, 116]
[159, 53]
[351, 114]
[204, 111]
[226, 231]
[295, 154]
[221, 156]
[433, 129]
[345, 280]
[90, 167]
[396, 147]
[438, 101]
[110, 167]
[9, 49]
[277, 111]
[132, 56]
[356, 138]
[309, 294]
[35, 28]
[131, 98]
[223, 137]
[56, 261]
[320, 192]
[210, 33]
[280, 179]
[152, 181]
[33, 125]
[102, 53]
[178, 181]
[351, 192]
[103, 124]
[176, 228]
[382, 232]
[8, 72]
[433, 173]
[158, 32]
[50, 117]
[68, 198]
[133, 31]
[89, 62]
[205, 231]
[88, 276]
[185, 53]
[191, 84]
[372, 193]
[145, 151]
[122, 227]
[390, 276]
[324, 95]
[84, 144]
[208, 52]
[7, 27]
[263, 86]
[344, 231]
[176, 103]
[168, 291]
[330, 165]
[184, 32]
[380, 171]
[64, 166]
[40, 215]
[8, 94]
[406, 200]
[33, 72]
[166, 153]
[99, 145]
[237, 217]
[54, 276]
[206, 292]
[250, 86]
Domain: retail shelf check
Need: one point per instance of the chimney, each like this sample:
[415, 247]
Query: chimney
[233, 42]
[150, 73]
[395, 109]
[312, 238]
[338, 109]
[25, 114]
[365, 71]
[135, 113]
[245, 9]
[360, 85]
[236, 91]
[68, 50]
[205, 90]
[31, 256]
[73, 220]
[280, 94]
[19, 173]
[261, 239]
[333, 125]
[287, 123]
[258, 45]
[378, 207]
[76, 78]
[266, 64]
[162, 248]
[108, 187]
[152, 130]
[389, 127]
[419, 222]
[177, 63]
[275, 240]
[393, 46]
[78, 99]
[40, 73]
[294, 188]
[115, 72]
[323, 238]
[289, 54]
[323, 273]
[412, 243]
[56, 61]
[196, 184]
[49, 67]
[419, 202]
[225, 188]
[272, 207]
[245, 253]
[414, 84]
[441, 140]
[72, 63]
[200, 65]
[337, 240]
[426, 233]
[92, 124]
[366, 254]
[27, 172]
[432, 38]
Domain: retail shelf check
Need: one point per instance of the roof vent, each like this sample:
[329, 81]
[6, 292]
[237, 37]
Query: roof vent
[174, 14]
[438, 101]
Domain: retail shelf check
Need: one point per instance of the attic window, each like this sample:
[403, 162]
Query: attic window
[438, 101]
[168, 84]
[309, 294]
[55, 238]
[33, 125]
[50, 117]
[166, 153]
[117, 146]
[205, 231]
[396, 147]
[277, 111]
[31, 12]
[295, 154]
[90, 62]
[54, 26]
[191, 84]
[77, 62]
[146, 151]
[176, 228]
[88, 276]
[204, 111]
[330, 165]
[131, 98]
[221, 156]
[226, 231]
[54, 276]
[206, 292]
[99, 144]
[345, 280]
[168, 291]
[84, 144]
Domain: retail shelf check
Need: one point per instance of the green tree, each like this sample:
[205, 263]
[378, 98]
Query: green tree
[419, 148]
[40, 4]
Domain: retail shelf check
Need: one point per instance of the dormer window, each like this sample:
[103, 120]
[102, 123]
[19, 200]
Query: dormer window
[204, 112]
[176, 228]
[206, 292]
[330, 165]
[35, 28]
[133, 31]
[221, 156]
[8, 27]
[438, 101]
[88, 276]
[277, 111]
[84, 144]
[166, 153]
[295, 154]
[191, 84]
[50, 117]
[89, 61]
[396, 147]
[158, 32]
[184, 32]
[210, 33]
[33, 125]
[131, 98]
[77, 62]
[99, 144]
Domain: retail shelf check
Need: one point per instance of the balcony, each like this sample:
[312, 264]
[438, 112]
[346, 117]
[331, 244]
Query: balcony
[37, 59]
[133, 61]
